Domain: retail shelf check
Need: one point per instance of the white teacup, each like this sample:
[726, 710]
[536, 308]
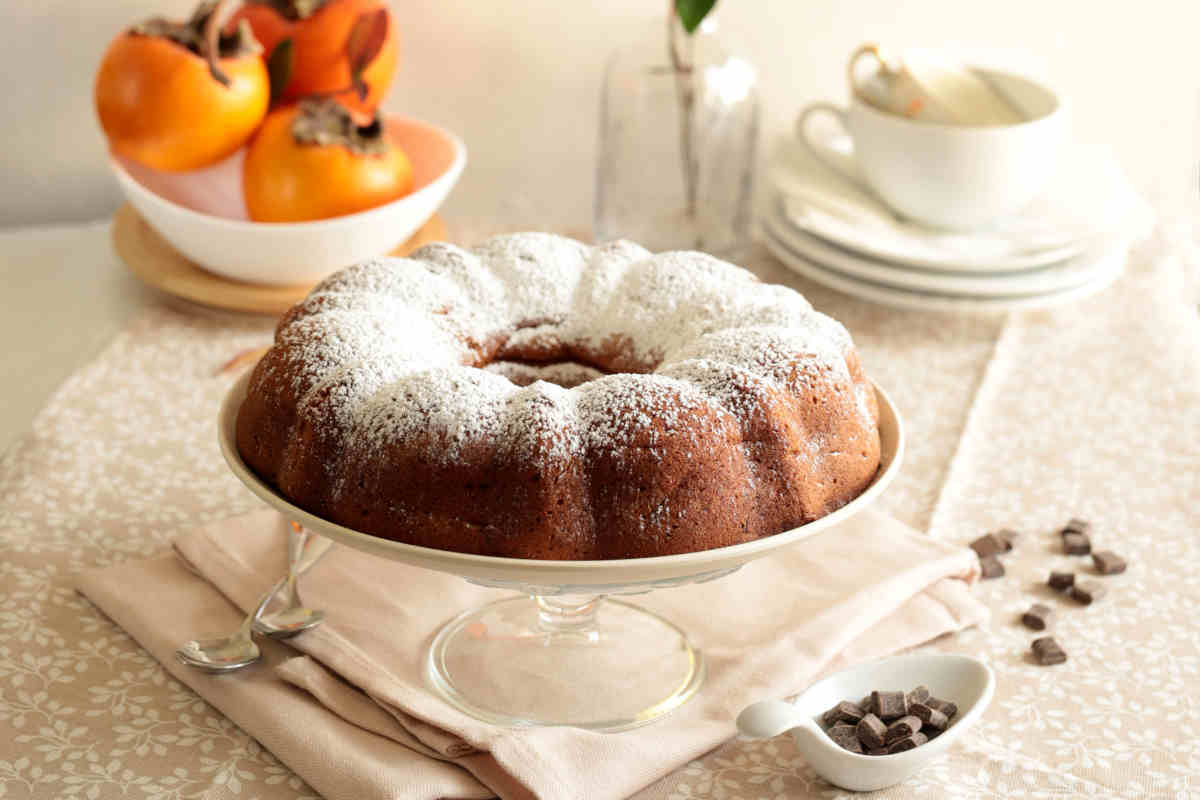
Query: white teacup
[945, 175]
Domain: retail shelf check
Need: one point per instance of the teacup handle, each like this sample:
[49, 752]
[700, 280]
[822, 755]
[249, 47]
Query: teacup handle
[875, 53]
[836, 160]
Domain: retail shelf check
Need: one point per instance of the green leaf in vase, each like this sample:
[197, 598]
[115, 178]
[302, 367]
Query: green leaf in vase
[692, 12]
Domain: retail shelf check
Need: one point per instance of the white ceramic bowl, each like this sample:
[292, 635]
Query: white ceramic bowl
[967, 682]
[203, 216]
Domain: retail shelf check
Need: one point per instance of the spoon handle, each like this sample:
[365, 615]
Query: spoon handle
[315, 550]
[244, 632]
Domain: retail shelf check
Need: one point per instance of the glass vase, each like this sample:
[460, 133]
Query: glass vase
[679, 119]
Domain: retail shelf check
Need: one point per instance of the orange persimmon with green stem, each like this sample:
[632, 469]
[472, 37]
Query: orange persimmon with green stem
[317, 159]
[178, 96]
[345, 49]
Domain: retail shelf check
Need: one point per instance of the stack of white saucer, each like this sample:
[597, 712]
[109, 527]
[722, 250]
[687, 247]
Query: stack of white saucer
[949, 187]
[1070, 243]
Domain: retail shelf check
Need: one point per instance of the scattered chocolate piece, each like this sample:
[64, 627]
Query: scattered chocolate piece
[1038, 617]
[1047, 651]
[1088, 592]
[845, 737]
[1061, 581]
[944, 706]
[889, 705]
[908, 743]
[1076, 544]
[844, 711]
[917, 695]
[872, 732]
[1009, 537]
[989, 545]
[902, 728]
[1077, 525]
[1108, 563]
[933, 721]
[991, 567]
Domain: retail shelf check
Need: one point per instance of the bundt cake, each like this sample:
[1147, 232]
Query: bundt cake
[536, 397]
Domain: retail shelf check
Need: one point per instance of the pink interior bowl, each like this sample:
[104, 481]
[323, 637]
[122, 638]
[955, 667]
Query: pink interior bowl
[202, 213]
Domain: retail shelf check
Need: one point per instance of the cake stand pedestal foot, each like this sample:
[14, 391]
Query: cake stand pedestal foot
[588, 662]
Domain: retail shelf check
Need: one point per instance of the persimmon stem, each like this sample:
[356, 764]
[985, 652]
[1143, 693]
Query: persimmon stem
[221, 11]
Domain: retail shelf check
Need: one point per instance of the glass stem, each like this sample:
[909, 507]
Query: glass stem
[681, 48]
[567, 613]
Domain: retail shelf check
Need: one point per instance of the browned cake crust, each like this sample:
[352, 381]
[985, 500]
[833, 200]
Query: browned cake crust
[537, 398]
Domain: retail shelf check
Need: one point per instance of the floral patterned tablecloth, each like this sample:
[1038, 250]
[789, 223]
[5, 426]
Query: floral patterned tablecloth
[1023, 421]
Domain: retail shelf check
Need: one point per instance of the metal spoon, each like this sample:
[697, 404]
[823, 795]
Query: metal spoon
[238, 649]
[294, 617]
[228, 653]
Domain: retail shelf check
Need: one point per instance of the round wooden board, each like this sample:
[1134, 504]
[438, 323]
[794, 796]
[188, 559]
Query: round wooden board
[152, 259]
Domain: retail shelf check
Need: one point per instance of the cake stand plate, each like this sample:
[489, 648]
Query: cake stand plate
[156, 263]
[560, 653]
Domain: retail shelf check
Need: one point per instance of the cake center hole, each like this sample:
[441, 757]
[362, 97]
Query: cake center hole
[566, 374]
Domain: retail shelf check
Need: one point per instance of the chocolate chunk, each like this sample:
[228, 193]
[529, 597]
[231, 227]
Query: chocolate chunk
[1047, 651]
[908, 743]
[1108, 563]
[889, 705]
[865, 704]
[903, 727]
[1088, 592]
[934, 722]
[1076, 525]
[1038, 617]
[944, 706]
[918, 695]
[843, 712]
[989, 545]
[1009, 537]
[1076, 544]
[845, 737]
[991, 567]
[1061, 581]
[872, 732]
[878, 751]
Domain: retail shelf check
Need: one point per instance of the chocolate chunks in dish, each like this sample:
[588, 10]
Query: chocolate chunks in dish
[990, 567]
[844, 711]
[889, 706]
[1061, 581]
[1087, 592]
[1108, 563]
[907, 743]
[989, 545]
[1038, 617]
[932, 720]
[1047, 651]
[1076, 544]
[1076, 525]
[903, 727]
[845, 736]
[872, 732]
[918, 695]
[944, 706]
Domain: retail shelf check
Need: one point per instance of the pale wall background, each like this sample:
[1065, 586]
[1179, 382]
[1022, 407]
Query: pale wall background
[519, 80]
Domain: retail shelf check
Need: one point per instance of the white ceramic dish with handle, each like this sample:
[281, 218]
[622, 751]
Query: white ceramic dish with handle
[967, 682]
[203, 216]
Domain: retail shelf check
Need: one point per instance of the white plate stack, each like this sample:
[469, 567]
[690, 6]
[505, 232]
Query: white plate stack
[1070, 243]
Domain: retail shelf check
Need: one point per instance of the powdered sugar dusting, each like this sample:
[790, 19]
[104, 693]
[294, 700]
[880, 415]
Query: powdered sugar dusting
[395, 344]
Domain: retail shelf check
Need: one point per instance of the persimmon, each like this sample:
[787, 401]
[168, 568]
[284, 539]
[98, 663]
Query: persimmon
[346, 49]
[314, 161]
[180, 95]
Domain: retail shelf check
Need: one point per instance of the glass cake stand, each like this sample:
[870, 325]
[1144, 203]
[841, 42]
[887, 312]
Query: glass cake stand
[562, 651]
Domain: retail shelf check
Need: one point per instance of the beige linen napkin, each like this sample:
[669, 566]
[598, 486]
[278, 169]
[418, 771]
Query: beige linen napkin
[867, 588]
